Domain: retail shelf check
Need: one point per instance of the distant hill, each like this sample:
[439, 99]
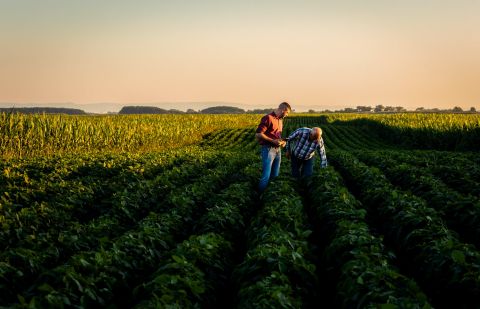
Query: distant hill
[147, 110]
[42, 110]
[234, 110]
[222, 110]
[191, 107]
[158, 110]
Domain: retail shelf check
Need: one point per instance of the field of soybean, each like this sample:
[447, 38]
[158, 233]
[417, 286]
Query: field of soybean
[162, 211]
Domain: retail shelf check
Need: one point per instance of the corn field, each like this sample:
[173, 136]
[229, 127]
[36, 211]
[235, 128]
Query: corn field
[31, 135]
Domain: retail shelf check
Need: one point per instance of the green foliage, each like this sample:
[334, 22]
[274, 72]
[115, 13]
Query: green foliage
[356, 258]
[418, 234]
[276, 270]
[184, 227]
[39, 135]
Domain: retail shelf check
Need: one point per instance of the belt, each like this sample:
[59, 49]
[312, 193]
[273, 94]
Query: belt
[270, 146]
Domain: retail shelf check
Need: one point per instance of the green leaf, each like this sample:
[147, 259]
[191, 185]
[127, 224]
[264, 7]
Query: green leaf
[177, 259]
[45, 288]
[360, 280]
[21, 299]
[458, 256]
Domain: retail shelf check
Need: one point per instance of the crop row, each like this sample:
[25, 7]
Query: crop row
[158, 197]
[433, 121]
[276, 271]
[230, 139]
[458, 170]
[72, 182]
[26, 135]
[352, 256]
[197, 272]
[446, 269]
[461, 213]
[343, 137]
[55, 226]
[423, 131]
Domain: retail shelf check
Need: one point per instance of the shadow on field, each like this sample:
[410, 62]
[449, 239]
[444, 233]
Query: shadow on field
[463, 139]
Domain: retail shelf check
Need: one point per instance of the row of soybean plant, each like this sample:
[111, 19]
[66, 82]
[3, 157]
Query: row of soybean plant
[349, 138]
[460, 212]
[458, 170]
[354, 264]
[277, 271]
[327, 136]
[425, 131]
[47, 231]
[445, 268]
[344, 143]
[231, 139]
[339, 134]
[39, 193]
[197, 272]
[355, 137]
[150, 209]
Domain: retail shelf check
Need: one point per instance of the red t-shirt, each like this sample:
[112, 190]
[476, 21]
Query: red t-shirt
[271, 126]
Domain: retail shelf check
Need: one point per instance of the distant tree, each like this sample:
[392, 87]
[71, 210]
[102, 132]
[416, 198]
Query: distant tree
[311, 111]
[420, 109]
[473, 110]
[400, 109]
[389, 109]
[379, 108]
[349, 110]
[457, 109]
[43, 110]
[175, 111]
[142, 110]
[191, 111]
[222, 110]
[364, 108]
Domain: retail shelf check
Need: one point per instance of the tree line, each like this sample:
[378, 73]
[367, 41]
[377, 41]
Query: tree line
[43, 110]
[401, 109]
[209, 110]
[230, 110]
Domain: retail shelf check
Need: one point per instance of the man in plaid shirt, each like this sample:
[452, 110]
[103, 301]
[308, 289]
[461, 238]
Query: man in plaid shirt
[302, 153]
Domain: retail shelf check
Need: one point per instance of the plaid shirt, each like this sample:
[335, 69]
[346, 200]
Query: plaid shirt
[304, 149]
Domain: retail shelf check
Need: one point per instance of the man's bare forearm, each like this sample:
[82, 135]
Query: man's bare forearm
[276, 142]
[263, 137]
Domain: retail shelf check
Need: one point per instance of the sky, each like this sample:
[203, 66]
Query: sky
[313, 54]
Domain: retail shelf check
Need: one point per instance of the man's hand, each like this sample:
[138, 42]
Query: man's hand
[279, 142]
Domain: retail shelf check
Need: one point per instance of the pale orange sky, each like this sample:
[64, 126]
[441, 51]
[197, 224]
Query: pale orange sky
[310, 53]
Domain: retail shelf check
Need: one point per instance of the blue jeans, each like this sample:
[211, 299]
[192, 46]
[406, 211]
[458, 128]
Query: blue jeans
[271, 158]
[302, 168]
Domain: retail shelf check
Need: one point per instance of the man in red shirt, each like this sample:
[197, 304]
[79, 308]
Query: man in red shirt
[269, 136]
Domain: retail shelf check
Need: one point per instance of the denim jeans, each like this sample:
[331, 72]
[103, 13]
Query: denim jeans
[271, 158]
[302, 168]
